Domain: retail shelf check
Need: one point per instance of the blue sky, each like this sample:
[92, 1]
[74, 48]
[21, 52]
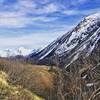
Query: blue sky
[36, 23]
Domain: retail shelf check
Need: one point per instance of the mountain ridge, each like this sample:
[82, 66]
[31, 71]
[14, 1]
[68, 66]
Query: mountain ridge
[80, 40]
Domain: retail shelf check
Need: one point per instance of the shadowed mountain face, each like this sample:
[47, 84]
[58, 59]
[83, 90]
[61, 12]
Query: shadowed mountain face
[82, 42]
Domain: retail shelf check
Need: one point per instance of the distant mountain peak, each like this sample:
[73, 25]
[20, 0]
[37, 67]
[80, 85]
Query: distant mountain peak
[14, 52]
[23, 51]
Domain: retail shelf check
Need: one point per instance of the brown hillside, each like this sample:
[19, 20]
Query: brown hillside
[32, 77]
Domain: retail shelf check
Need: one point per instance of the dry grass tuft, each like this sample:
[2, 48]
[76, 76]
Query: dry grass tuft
[11, 92]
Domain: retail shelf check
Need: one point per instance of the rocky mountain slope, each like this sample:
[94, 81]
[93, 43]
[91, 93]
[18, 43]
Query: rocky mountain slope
[81, 41]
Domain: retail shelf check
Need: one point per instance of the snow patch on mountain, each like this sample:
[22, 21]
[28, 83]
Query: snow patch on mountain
[81, 32]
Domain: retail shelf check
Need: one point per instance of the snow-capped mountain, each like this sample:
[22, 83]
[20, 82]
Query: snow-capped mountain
[20, 51]
[80, 41]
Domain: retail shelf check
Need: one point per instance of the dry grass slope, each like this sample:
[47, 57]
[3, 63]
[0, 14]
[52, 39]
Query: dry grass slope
[35, 78]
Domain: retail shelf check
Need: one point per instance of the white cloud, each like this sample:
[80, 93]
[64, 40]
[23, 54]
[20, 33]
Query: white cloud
[35, 8]
[70, 12]
[33, 40]
[43, 19]
[50, 8]
[27, 3]
[13, 22]
[77, 2]
[43, 1]
[18, 17]
[7, 14]
[80, 12]
[19, 20]
[47, 9]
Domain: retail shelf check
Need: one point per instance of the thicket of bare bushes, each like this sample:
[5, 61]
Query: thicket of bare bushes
[80, 81]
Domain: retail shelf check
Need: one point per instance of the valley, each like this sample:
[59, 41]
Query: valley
[66, 69]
